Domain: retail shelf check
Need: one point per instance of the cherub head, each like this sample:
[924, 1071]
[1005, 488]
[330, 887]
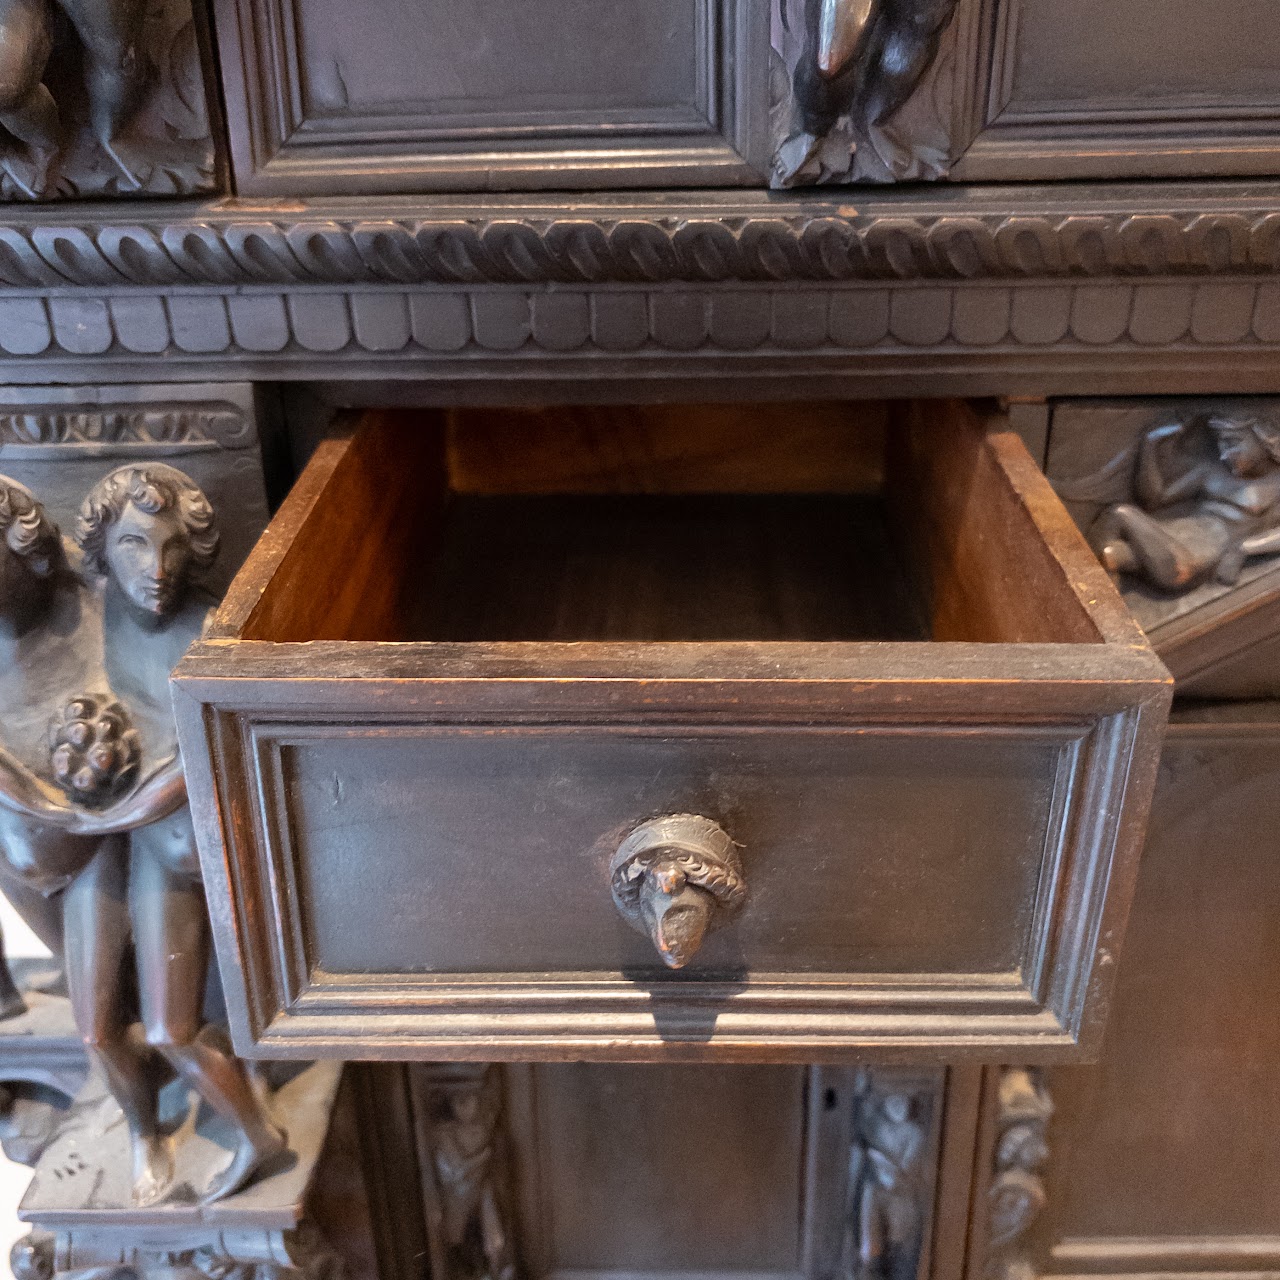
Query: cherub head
[151, 530]
[1249, 446]
[30, 548]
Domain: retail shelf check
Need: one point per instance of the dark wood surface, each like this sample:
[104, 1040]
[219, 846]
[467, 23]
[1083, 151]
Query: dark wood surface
[324, 99]
[1162, 1157]
[698, 567]
[831, 760]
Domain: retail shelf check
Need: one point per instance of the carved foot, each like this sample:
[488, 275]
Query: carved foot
[251, 1155]
[30, 175]
[152, 1170]
[134, 175]
[31, 1257]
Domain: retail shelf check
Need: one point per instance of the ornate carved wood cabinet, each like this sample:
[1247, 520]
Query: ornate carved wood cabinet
[639, 638]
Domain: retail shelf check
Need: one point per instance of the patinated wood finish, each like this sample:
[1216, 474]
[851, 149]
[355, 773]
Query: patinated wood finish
[387, 219]
[1161, 1158]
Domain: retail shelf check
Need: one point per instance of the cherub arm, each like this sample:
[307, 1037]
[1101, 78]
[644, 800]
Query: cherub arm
[1155, 490]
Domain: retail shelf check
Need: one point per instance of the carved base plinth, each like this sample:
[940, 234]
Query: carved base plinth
[42, 1063]
[86, 1224]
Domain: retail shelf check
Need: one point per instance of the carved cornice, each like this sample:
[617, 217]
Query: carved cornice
[949, 234]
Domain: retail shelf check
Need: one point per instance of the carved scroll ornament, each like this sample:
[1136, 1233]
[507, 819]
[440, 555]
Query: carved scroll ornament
[850, 67]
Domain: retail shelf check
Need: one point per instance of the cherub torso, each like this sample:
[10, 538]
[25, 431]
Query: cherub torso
[139, 658]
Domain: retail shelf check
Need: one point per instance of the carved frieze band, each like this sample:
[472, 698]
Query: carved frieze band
[225, 425]
[764, 243]
[413, 324]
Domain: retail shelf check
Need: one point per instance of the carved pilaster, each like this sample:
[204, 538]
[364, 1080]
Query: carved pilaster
[872, 1171]
[1016, 1195]
[847, 72]
[465, 1168]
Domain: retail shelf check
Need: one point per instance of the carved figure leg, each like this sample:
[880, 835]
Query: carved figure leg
[27, 108]
[96, 924]
[11, 1001]
[836, 32]
[110, 31]
[172, 943]
[904, 42]
[1129, 540]
[872, 1236]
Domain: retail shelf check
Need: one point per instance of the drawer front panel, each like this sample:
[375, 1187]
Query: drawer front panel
[326, 98]
[862, 853]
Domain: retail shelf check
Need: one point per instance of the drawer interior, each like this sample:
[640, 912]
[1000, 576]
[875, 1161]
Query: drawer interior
[809, 523]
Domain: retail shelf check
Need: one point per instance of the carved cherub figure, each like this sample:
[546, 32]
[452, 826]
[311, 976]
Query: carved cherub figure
[1208, 500]
[132, 879]
[149, 531]
[50, 641]
[464, 1134]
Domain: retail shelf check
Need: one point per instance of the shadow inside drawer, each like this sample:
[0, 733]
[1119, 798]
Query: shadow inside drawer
[813, 567]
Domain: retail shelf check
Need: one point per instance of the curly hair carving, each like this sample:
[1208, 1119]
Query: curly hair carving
[27, 530]
[152, 487]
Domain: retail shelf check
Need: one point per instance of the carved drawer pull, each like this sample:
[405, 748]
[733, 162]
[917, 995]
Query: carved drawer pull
[675, 878]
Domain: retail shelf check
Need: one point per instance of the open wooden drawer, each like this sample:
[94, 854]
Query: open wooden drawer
[462, 763]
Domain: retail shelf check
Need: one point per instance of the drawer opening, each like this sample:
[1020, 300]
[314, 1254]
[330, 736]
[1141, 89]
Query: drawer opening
[476, 652]
[812, 523]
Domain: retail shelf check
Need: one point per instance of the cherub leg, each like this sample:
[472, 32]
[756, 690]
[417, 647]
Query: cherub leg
[11, 1001]
[96, 925]
[110, 31]
[1128, 540]
[171, 932]
[27, 108]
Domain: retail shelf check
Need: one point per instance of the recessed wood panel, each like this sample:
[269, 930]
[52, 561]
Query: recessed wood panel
[499, 841]
[389, 95]
[1091, 88]
[1162, 1158]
